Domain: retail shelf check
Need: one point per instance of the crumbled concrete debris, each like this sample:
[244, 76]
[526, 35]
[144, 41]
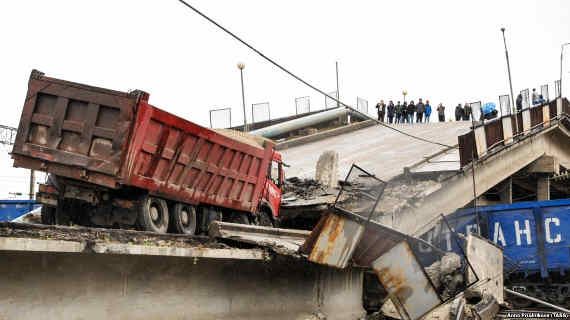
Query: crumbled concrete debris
[400, 195]
[94, 235]
[446, 275]
[326, 172]
[303, 188]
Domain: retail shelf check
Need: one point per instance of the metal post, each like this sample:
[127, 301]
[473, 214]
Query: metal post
[337, 92]
[240, 67]
[510, 80]
[561, 59]
[32, 183]
[473, 173]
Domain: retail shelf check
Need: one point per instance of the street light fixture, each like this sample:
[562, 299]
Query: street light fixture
[405, 93]
[561, 59]
[241, 66]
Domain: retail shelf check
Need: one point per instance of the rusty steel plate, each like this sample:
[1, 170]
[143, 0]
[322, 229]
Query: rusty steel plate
[335, 241]
[403, 277]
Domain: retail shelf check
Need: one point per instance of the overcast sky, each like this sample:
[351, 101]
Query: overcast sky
[445, 51]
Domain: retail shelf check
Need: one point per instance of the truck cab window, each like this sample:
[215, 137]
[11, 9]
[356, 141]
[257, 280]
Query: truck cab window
[273, 173]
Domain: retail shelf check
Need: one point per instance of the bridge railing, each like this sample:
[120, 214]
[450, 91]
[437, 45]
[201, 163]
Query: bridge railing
[504, 131]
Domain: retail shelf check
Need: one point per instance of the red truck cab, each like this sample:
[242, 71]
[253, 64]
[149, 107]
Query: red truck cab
[271, 196]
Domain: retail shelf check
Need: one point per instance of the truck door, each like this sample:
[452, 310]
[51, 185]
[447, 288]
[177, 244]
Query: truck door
[273, 186]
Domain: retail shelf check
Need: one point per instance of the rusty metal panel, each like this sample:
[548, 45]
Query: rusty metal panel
[402, 276]
[507, 129]
[526, 121]
[180, 160]
[480, 140]
[466, 144]
[336, 241]
[546, 115]
[553, 109]
[83, 128]
[493, 133]
[535, 116]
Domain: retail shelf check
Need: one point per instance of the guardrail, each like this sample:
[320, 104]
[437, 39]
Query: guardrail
[487, 135]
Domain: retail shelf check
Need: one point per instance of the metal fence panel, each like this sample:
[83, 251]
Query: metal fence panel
[330, 103]
[505, 104]
[221, 118]
[362, 105]
[476, 110]
[303, 105]
[260, 112]
[525, 99]
[544, 92]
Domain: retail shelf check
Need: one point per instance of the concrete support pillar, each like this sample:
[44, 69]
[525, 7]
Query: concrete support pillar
[543, 188]
[506, 191]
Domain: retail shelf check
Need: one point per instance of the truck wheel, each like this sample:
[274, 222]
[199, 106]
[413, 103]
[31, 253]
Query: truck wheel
[153, 215]
[184, 219]
[264, 219]
[48, 215]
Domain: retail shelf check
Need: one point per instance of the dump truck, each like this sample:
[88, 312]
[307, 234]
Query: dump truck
[114, 160]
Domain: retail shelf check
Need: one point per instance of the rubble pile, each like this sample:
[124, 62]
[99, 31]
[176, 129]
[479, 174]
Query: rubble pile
[446, 274]
[400, 195]
[303, 189]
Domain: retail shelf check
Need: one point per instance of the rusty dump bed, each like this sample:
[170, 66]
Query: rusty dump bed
[115, 139]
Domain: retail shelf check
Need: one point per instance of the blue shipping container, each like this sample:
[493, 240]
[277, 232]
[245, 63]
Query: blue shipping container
[12, 209]
[533, 234]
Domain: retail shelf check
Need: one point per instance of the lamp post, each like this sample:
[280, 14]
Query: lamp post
[510, 80]
[561, 59]
[241, 66]
[404, 93]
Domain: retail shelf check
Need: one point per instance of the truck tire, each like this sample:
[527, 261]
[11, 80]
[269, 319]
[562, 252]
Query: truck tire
[153, 215]
[184, 219]
[48, 215]
[264, 219]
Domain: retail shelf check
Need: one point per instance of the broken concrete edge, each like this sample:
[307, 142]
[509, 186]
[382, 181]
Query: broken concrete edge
[325, 134]
[64, 246]
[43, 238]
[217, 227]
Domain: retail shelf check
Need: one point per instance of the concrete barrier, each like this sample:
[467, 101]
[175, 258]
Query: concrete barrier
[64, 285]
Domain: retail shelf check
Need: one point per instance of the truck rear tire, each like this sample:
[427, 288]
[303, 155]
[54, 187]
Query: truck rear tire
[264, 219]
[184, 219]
[153, 215]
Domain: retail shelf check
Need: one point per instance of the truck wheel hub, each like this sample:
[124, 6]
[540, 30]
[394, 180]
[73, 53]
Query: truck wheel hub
[153, 213]
[184, 217]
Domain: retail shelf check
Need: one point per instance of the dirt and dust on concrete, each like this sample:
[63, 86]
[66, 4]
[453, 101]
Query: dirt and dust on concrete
[94, 235]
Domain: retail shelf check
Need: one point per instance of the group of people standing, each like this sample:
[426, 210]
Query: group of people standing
[407, 112]
[463, 113]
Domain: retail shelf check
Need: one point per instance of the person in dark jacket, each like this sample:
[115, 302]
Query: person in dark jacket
[398, 113]
[519, 102]
[458, 112]
[466, 112]
[428, 111]
[411, 111]
[405, 112]
[441, 113]
[391, 111]
[420, 110]
[381, 106]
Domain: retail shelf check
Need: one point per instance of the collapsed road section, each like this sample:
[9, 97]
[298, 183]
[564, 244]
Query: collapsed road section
[55, 272]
